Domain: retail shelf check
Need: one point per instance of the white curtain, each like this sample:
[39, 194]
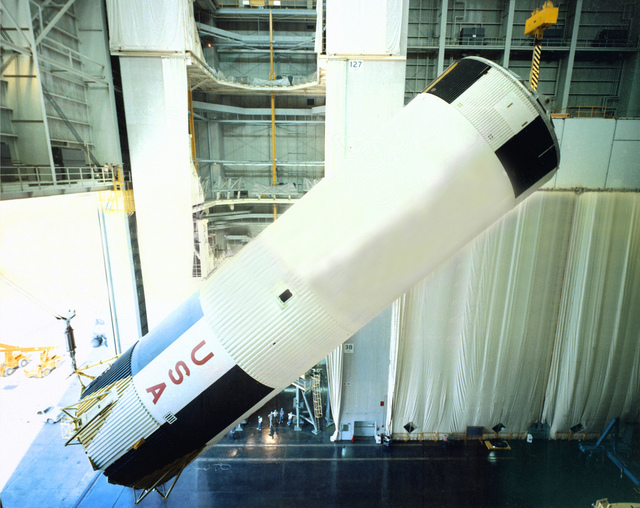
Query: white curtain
[319, 30]
[397, 332]
[393, 27]
[334, 375]
[152, 25]
[595, 375]
[491, 337]
[362, 27]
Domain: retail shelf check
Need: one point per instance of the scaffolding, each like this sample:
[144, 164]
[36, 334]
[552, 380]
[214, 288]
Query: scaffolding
[120, 198]
[309, 382]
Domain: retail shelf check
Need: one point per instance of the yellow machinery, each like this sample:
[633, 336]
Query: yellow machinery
[540, 20]
[16, 357]
[604, 503]
[81, 372]
[49, 360]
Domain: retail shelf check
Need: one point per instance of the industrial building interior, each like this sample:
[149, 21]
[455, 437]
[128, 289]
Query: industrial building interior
[145, 143]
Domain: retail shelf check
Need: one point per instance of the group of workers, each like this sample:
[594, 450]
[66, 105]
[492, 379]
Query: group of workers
[274, 420]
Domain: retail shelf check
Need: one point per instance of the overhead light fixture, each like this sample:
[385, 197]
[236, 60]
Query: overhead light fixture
[577, 428]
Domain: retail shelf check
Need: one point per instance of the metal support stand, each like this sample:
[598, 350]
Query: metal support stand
[327, 415]
[302, 386]
[158, 487]
[297, 400]
[311, 420]
[619, 453]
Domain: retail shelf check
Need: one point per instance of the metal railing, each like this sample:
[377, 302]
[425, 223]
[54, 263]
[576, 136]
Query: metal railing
[15, 179]
[282, 4]
[585, 112]
[417, 42]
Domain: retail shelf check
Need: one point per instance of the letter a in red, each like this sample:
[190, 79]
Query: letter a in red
[157, 390]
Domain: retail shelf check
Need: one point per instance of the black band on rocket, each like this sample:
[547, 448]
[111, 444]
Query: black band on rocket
[197, 423]
[458, 79]
[528, 156]
[120, 369]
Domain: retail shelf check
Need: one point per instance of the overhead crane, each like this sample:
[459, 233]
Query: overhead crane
[540, 20]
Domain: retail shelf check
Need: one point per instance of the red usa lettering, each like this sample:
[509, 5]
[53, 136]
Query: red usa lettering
[181, 371]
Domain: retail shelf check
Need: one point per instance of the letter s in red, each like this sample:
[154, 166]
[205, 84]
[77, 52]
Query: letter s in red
[180, 377]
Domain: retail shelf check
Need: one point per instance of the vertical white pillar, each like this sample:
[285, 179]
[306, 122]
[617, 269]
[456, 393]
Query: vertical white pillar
[366, 63]
[120, 274]
[366, 60]
[155, 96]
[154, 41]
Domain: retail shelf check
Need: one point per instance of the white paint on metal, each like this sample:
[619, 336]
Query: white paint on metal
[496, 108]
[425, 178]
[274, 342]
[173, 379]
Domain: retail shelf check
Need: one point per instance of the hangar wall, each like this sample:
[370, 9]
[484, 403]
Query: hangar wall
[365, 380]
[597, 153]
[503, 347]
[52, 248]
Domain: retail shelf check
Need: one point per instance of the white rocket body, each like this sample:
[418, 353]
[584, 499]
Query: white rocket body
[452, 162]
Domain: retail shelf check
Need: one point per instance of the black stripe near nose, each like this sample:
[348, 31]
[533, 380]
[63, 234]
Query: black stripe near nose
[215, 409]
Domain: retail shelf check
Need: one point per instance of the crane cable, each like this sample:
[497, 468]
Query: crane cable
[69, 336]
[535, 64]
[31, 297]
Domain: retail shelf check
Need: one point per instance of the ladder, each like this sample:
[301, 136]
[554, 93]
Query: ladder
[120, 198]
[317, 396]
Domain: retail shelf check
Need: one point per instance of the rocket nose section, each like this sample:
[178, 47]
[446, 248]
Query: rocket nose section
[508, 115]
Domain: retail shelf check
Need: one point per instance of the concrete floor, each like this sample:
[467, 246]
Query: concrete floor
[283, 468]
